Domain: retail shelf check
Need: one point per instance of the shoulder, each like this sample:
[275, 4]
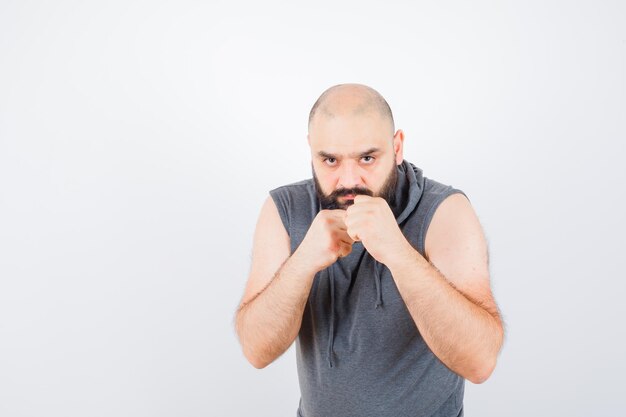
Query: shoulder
[296, 202]
[296, 184]
[453, 220]
[433, 194]
[297, 188]
[437, 191]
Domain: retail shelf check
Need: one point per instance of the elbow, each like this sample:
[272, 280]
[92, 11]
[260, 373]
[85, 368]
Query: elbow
[483, 372]
[256, 362]
[248, 353]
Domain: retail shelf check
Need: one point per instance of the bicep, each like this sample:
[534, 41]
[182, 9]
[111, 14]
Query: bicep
[270, 249]
[456, 245]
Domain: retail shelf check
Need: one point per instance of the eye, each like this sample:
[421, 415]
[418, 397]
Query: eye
[371, 158]
[328, 159]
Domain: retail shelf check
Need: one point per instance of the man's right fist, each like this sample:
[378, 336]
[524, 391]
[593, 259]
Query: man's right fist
[326, 240]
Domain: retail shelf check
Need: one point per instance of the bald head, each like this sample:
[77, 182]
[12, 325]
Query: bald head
[350, 100]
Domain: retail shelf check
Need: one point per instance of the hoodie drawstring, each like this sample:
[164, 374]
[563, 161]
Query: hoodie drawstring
[331, 328]
[379, 300]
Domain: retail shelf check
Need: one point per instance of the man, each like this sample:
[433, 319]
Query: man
[379, 272]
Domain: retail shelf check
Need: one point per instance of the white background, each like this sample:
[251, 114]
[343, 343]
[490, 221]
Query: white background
[138, 140]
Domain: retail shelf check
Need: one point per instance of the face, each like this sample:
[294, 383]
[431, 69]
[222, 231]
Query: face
[344, 197]
[353, 155]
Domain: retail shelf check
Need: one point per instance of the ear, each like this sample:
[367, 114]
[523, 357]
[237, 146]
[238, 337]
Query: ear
[398, 145]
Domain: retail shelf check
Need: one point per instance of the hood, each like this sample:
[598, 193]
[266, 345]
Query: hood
[409, 188]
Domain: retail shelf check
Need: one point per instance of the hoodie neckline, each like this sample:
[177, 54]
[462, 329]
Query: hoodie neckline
[408, 190]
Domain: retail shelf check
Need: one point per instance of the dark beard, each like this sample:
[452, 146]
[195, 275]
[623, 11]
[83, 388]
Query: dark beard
[331, 202]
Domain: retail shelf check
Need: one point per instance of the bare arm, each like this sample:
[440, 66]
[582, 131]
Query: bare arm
[270, 314]
[449, 295]
[462, 333]
[269, 323]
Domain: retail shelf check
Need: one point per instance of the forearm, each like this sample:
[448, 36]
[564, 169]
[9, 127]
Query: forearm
[270, 322]
[461, 333]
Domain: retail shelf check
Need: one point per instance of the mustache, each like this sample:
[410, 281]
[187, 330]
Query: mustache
[354, 191]
[331, 201]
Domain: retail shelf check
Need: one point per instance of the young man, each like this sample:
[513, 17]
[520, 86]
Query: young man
[379, 273]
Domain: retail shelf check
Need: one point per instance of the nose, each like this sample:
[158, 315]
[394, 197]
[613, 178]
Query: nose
[350, 176]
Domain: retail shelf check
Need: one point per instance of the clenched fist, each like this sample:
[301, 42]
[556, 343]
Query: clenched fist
[371, 221]
[326, 240]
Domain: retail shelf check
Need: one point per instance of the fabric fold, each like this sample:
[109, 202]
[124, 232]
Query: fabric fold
[379, 292]
[331, 328]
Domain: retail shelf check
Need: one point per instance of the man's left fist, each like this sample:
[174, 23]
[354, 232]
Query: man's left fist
[371, 221]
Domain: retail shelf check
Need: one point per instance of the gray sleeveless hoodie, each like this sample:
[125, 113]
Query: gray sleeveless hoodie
[358, 351]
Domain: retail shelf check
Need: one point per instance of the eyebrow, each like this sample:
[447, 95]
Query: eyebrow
[352, 155]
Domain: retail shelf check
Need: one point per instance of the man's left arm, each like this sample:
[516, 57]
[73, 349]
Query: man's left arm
[448, 293]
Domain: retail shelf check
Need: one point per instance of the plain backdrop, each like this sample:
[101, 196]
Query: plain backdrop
[138, 140]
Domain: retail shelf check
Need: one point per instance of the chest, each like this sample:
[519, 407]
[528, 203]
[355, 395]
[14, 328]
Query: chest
[358, 325]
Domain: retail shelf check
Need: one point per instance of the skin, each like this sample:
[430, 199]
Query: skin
[447, 292]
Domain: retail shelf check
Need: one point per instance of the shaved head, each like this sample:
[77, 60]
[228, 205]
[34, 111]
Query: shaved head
[353, 146]
[350, 100]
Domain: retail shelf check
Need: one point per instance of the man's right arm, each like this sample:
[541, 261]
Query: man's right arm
[270, 314]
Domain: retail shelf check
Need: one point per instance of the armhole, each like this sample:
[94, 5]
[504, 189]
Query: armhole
[281, 205]
[431, 212]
